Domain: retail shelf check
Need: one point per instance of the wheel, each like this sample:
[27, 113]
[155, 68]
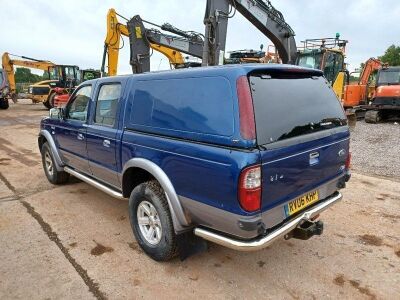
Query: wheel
[47, 104]
[49, 166]
[4, 103]
[151, 221]
[373, 116]
[50, 101]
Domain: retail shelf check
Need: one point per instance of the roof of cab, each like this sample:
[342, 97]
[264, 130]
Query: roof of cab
[390, 69]
[225, 70]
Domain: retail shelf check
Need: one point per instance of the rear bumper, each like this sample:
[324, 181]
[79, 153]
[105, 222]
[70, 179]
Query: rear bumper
[264, 241]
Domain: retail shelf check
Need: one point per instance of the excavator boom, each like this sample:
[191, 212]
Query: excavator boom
[361, 92]
[211, 46]
[260, 13]
[113, 40]
[370, 66]
[8, 67]
[143, 39]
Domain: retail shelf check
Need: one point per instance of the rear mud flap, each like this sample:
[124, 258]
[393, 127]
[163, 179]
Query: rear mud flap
[189, 244]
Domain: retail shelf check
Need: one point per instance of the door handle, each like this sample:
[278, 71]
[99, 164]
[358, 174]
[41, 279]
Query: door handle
[80, 137]
[314, 158]
[106, 143]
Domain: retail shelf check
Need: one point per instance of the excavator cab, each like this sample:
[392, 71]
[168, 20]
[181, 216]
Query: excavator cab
[89, 74]
[245, 56]
[331, 62]
[64, 76]
[328, 56]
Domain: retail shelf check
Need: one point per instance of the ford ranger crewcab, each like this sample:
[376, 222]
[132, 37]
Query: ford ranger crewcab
[237, 155]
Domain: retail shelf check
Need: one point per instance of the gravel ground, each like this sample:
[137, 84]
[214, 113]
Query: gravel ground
[376, 149]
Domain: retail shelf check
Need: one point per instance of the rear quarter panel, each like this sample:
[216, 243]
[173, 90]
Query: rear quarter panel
[202, 166]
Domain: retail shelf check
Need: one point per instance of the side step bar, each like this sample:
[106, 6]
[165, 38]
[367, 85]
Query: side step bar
[264, 241]
[94, 183]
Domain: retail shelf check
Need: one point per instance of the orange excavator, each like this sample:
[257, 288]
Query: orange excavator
[361, 92]
[385, 102]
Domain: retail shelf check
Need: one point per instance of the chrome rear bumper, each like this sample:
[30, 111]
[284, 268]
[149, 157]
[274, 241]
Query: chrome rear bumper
[264, 241]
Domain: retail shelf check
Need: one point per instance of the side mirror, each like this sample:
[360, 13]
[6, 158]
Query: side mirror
[56, 113]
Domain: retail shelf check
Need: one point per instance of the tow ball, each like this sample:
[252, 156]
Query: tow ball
[305, 230]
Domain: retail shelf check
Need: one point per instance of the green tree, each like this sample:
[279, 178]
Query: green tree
[45, 75]
[24, 75]
[391, 56]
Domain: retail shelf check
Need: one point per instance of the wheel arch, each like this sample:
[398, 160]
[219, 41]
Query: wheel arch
[152, 170]
[45, 136]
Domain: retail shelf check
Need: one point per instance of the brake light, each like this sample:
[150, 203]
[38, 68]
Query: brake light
[348, 161]
[250, 189]
[246, 111]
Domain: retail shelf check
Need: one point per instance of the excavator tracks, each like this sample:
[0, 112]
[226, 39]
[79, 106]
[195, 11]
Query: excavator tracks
[373, 116]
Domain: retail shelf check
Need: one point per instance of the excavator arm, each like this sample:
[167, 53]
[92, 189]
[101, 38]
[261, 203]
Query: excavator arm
[370, 66]
[260, 13]
[113, 40]
[142, 39]
[8, 67]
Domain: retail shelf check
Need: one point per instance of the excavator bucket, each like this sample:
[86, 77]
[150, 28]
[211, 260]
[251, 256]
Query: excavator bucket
[351, 119]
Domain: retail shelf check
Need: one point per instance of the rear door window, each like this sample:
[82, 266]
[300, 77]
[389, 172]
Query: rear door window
[287, 105]
[107, 103]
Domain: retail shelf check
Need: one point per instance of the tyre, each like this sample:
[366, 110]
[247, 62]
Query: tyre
[151, 221]
[4, 103]
[49, 167]
[50, 101]
[47, 104]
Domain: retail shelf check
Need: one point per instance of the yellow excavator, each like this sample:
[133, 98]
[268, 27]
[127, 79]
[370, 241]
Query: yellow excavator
[112, 43]
[327, 55]
[8, 68]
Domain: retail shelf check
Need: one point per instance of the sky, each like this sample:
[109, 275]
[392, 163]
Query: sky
[73, 32]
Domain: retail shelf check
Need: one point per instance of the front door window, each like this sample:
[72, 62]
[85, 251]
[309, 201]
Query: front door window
[77, 108]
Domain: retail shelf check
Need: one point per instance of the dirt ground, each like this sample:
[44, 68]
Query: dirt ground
[75, 242]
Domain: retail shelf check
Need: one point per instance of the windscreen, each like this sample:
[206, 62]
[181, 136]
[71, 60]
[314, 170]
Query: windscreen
[310, 60]
[1, 78]
[389, 77]
[54, 73]
[288, 105]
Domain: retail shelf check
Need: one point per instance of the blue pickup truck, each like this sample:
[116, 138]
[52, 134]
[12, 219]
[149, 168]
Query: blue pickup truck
[238, 155]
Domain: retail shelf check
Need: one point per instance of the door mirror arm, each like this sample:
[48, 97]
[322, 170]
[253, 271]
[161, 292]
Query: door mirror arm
[63, 113]
[57, 113]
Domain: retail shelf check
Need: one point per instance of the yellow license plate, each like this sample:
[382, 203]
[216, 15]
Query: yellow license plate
[300, 203]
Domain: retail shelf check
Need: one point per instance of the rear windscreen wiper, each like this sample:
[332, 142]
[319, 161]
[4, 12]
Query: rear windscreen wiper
[332, 121]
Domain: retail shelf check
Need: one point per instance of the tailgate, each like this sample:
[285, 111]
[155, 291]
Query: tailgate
[291, 172]
[302, 135]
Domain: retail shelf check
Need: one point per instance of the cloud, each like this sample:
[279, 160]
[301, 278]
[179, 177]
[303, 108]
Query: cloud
[73, 32]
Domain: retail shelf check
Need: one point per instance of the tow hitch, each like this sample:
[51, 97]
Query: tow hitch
[306, 230]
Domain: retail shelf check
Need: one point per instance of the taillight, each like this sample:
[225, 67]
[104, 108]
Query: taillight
[246, 111]
[250, 189]
[348, 161]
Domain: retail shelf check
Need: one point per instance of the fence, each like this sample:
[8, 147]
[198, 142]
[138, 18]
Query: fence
[23, 87]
